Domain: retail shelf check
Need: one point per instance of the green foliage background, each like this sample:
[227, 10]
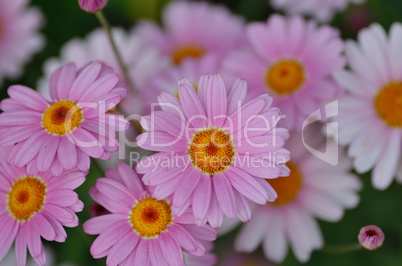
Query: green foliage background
[64, 21]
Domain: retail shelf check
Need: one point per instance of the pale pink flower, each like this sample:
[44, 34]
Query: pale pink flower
[193, 30]
[371, 237]
[92, 6]
[35, 206]
[294, 61]
[314, 188]
[67, 131]
[209, 158]
[322, 10]
[19, 36]
[141, 230]
[370, 114]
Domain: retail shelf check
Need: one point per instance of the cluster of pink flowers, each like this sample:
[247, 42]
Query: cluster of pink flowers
[223, 148]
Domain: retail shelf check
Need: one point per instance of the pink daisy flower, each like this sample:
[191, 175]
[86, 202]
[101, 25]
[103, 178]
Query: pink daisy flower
[370, 115]
[207, 159]
[166, 80]
[74, 126]
[313, 189]
[371, 237]
[35, 206]
[141, 230]
[294, 61]
[322, 10]
[19, 37]
[193, 30]
[92, 6]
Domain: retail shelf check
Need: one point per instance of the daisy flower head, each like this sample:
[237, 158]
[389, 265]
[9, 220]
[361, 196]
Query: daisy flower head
[92, 6]
[141, 230]
[215, 149]
[322, 10]
[19, 37]
[65, 132]
[314, 189]
[294, 61]
[370, 113]
[35, 206]
[192, 30]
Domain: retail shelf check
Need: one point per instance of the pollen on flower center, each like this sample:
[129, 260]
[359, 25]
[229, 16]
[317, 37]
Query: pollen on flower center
[285, 76]
[388, 104]
[149, 217]
[26, 196]
[62, 117]
[211, 150]
[194, 51]
[288, 187]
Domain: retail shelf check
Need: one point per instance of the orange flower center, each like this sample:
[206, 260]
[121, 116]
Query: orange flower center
[211, 150]
[149, 217]
[62, 117]
[288, 187]
[194, 51]
[285, 77]
[26, 196]
[388, 104]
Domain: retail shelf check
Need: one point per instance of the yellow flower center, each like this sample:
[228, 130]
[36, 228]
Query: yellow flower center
[62, 117]
[26, 196]
[288, 187]
[388, 104]
[211, 150]
[285, 77]
[149, 217]
[194, 51]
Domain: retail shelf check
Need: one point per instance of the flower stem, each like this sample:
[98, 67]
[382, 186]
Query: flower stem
[106, 26]
[340, 249]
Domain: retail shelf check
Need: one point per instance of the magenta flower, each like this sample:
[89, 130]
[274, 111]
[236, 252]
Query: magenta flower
[35, 206]
[92, 6]
[294, 61]
[371, 237]
[215, 149]
[67, 131]
[141, 230]
[193, 30]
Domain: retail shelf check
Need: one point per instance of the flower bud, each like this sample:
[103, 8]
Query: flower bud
[371, 237]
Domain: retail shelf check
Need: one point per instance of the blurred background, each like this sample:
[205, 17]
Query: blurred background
[65, 20]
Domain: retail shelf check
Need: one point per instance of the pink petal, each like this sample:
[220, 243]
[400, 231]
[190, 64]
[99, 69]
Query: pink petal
[31, 148]
[20, 118]
[97, 225]
[215, 213]
[116, 191]
[14, 134]
[225, 195]
[34, 242]
[62, 198]
[122, 248]
[247, 186]
[83, 161]
[192, 107]
[109, 237]
[87, 76]
[61, 234]
[87, 143]
[243, 208]
[47, 153]
[182, 237]
[155, 252]
[171, 250]
[201, 199]
[130, 179]
[65, 80]
[43, 227]
[21, 246]
[63, 215]
[237, 95]
[187, 185]
[69, 180]
[8, 231]
[142, 253]
[205, 232]
[28, 97]
[216, 100]
[161, 141]
[67, 153]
